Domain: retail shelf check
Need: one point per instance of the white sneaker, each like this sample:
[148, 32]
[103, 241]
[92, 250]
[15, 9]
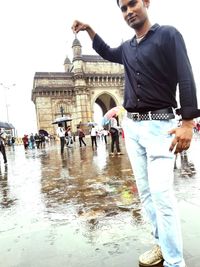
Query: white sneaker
[151, 257]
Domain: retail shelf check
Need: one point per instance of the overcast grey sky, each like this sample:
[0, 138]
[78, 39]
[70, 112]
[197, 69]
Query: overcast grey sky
[36, 36]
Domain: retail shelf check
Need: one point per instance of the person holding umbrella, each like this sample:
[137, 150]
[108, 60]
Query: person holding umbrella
[61, 134]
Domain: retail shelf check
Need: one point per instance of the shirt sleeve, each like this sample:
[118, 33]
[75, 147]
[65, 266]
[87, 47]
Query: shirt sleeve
[111, 54]
[187, 88]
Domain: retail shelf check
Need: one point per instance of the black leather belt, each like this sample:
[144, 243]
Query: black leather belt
[160, 114]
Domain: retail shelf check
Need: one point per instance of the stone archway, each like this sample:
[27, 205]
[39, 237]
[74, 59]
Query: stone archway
[106, 102]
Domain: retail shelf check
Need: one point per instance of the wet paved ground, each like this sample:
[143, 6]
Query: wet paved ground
[82, 209]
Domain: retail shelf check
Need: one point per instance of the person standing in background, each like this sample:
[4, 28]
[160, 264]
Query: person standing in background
[32, 141]
[68, 137]
[37, 140]
[2, 145]
[93, 134]
[81, 135]
[13, 142]
[105, 135]
[25, 141]
[61, 134]
[114, 132]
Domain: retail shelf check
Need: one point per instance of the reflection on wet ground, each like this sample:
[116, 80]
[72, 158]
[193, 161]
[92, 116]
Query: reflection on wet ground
[6, 200]
[79, 209]
[88, 183]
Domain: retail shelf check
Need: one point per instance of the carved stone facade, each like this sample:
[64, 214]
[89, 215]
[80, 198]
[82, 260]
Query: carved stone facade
[88, 79]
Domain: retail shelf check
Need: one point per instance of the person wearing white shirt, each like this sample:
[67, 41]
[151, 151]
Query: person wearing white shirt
[105, 134]
[93, 134]
[61, 133]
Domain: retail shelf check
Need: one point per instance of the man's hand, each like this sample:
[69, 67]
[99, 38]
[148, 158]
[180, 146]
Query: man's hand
[80, 26]
[183, 136]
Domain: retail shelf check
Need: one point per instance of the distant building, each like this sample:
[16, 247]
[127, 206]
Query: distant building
[88, 79]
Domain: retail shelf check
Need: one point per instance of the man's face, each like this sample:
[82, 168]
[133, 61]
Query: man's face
[134, 12]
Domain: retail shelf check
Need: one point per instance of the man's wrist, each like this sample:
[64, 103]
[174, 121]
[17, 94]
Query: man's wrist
[188, 123]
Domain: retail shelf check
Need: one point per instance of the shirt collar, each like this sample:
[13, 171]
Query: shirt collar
[153, 28]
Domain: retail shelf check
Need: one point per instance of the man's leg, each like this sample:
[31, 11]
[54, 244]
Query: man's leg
[117, 144]
[62, 144]
[92, 138]
[95, 141]
[161, 177]
[112, 143]
[138, 159]
[80, 143]
[147, 145]
[3, 151]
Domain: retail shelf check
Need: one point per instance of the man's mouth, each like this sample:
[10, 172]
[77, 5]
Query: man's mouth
[131, 19]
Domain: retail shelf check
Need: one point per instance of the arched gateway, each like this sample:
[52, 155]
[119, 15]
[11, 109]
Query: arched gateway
[88, 79]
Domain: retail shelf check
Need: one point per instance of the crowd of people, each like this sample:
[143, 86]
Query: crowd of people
[29, 141]
[67, 138]
[34, 141]
[112, 132]
[95, 133]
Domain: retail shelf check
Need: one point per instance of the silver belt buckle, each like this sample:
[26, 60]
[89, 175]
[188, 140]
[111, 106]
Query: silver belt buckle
[135, 116]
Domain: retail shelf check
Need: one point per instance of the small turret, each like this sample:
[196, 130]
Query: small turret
[77, 49]
[67, 64]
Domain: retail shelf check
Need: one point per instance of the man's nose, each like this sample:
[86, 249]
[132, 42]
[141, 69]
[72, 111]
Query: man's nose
[129, 10]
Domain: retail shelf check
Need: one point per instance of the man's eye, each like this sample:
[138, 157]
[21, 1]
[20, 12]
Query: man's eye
[123, 8]
[132, 3]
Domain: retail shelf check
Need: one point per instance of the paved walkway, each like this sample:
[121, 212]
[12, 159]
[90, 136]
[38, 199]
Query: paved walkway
[82, 209]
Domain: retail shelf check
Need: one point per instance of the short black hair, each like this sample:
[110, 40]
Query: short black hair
[118, 2]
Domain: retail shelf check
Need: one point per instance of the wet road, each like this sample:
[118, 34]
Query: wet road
[82, 209]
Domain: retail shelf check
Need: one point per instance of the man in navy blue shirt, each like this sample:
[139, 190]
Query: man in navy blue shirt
[155, 62]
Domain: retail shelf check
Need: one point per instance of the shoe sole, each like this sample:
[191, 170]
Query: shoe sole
[149, 264]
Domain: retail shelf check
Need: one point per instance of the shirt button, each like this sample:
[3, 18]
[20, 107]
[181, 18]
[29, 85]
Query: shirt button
[138, 73]
[139, 85]
[138, 100]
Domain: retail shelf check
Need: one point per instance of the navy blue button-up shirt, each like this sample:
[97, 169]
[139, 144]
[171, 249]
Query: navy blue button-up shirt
[153, 69]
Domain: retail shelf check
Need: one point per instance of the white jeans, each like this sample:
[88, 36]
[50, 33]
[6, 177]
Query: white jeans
[147, 145]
